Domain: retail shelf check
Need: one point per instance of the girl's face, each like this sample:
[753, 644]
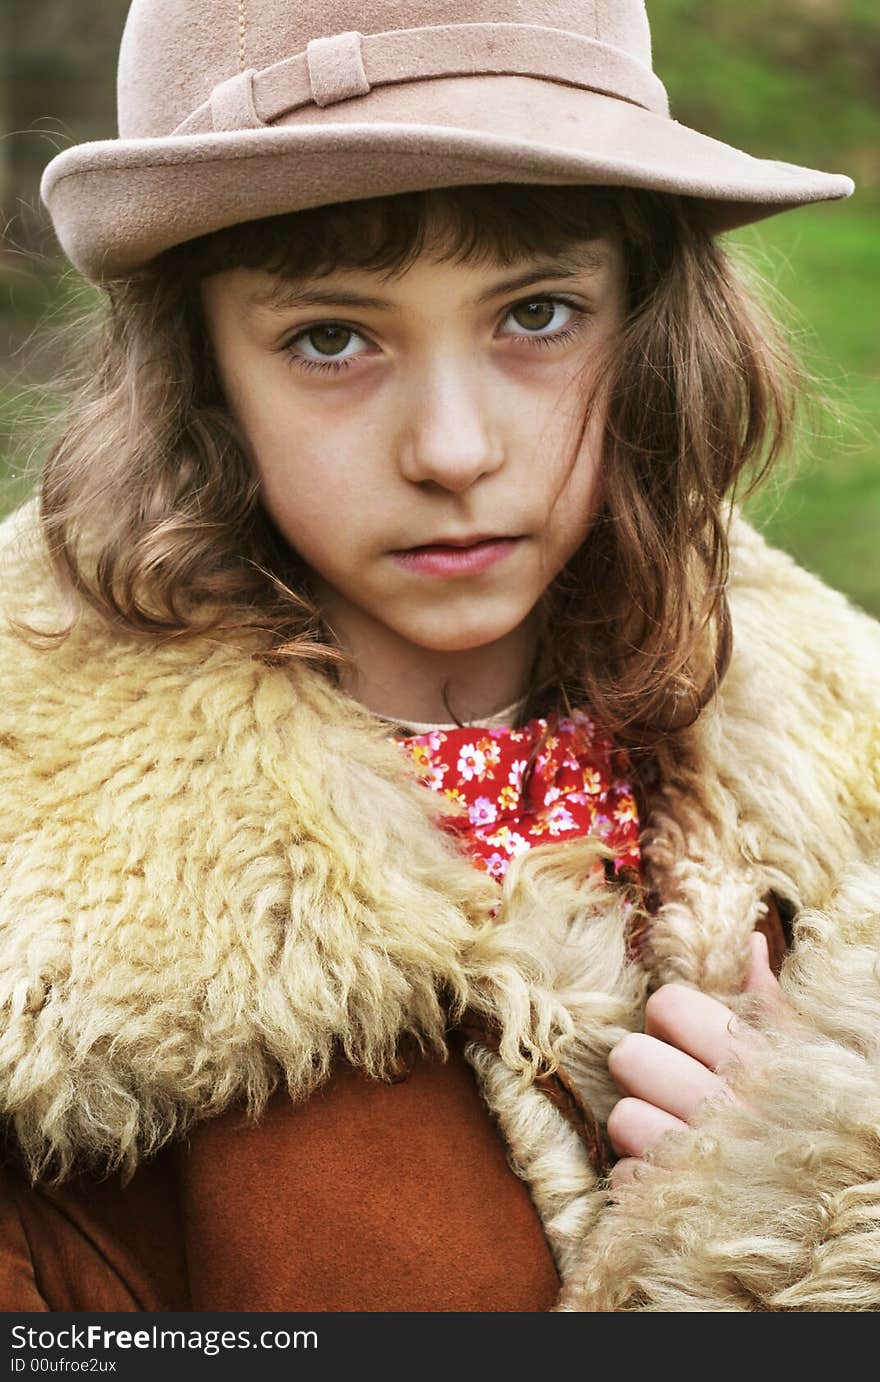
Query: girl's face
[440, 407]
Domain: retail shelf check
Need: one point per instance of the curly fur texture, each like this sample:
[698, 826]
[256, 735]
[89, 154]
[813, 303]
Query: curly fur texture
[214, 875]
[777, 786]
[771, 1202]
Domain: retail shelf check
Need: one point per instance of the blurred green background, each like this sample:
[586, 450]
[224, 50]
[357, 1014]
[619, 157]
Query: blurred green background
[797, 80]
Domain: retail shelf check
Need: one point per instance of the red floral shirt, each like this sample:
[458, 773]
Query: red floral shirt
[579, 786]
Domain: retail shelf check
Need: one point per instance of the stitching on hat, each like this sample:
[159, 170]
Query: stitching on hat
[242, 28]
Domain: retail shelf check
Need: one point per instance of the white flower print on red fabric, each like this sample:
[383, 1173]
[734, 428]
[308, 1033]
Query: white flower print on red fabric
[579, 785]
[476, 761]
[483, 811]
[510, 840]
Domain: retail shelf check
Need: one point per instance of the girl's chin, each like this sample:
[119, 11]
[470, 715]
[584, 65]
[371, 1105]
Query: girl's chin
[454, 637]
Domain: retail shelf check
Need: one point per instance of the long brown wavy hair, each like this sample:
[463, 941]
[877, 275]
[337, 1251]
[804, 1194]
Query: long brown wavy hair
[701, 390]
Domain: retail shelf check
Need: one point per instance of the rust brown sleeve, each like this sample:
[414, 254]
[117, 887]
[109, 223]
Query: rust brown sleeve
[18, 1285]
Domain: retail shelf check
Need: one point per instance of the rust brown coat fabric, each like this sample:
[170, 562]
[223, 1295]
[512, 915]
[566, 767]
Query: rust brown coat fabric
[225, 902]
[372, 1196]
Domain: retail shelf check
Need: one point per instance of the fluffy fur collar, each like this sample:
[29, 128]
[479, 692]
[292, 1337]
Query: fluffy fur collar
[213, 873]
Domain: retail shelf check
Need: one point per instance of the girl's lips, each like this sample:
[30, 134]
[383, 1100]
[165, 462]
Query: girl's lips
[456, 561]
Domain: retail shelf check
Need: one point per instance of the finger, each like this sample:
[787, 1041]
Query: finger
[697, 1024]
[662, 1075]
[625, 1171]
[759, 976]
[635, 1125]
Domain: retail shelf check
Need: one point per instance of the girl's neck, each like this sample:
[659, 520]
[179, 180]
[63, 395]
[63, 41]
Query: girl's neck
[413, 685]
[510, 716]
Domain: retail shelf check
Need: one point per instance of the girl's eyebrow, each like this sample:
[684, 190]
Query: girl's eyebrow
[285, 295]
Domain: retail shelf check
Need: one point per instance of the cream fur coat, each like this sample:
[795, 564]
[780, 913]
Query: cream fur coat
[212, 873]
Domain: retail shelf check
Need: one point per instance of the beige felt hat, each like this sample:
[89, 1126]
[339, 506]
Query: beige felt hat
[230, 110]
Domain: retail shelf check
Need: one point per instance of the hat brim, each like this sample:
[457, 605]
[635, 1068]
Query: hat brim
[118, 203]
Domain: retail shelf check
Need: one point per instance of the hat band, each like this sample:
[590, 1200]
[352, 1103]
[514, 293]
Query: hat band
[351, 64]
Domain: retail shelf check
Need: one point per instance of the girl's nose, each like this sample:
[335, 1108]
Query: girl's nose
[450, 437]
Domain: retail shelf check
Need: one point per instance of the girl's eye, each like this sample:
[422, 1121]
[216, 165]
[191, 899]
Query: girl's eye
[536, 314]
[328, 340]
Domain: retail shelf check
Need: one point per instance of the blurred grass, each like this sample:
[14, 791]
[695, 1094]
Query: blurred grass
[823, 260]
[41, 299]
[788, 79]
[799, 80]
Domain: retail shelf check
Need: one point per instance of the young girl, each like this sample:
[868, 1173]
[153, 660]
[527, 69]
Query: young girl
[415, 770]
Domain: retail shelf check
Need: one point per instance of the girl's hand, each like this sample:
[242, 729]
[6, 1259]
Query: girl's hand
[667, 1072]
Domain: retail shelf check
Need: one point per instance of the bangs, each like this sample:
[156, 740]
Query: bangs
[499, 224]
